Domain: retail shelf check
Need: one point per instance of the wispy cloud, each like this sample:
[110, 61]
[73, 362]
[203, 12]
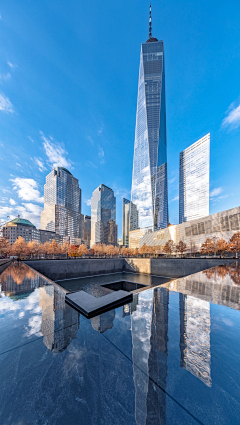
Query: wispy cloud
[31, 139]
[10, 64]
[172, 180]
[19, 165]
[92, 164]
[175, 199]
[100, 129]
[122, 192]
[12, 202]
[215, 192]
[55, 152]
[40, 164]
[91, 140]
[101, 155]
[27, 189]
[87, 202]
[5, 104]
[5, 77]
[232, 120]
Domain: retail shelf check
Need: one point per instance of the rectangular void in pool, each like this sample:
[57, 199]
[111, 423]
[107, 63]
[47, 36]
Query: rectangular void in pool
[124, 285]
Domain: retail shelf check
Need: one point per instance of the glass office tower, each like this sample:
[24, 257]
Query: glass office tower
[62, 205]
[194, 180]
[149, 179]
[125, 221]
[103, 216]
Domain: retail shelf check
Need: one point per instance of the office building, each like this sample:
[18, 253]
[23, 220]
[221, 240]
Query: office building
[149, 178]
[87, 230]
[194, 233]
[194, 180]
[62, 205]
[103, 216]
[24, 228]
[125, 221]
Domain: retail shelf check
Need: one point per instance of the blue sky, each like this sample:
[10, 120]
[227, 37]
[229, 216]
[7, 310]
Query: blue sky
[68, 95]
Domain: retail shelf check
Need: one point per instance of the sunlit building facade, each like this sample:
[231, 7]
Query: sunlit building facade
[194, 180]
[62, 205]
[149, 178]
[103, 216]
[125, 221]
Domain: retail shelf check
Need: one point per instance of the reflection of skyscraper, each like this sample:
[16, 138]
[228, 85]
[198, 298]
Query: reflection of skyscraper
[149, 179]
[62, 205]
[195, 337]
[60, 322]
[104, 321]
[194, 181]
[103, 216]
[129, 309]
[19, 279]
[157, 361]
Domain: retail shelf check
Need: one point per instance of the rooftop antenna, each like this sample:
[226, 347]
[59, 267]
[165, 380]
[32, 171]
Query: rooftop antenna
[150, 22]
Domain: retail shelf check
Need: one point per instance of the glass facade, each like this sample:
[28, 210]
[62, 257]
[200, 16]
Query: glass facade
[103, 216]
[149, 179]
[62, 205]
[194, 180]
[125, 221]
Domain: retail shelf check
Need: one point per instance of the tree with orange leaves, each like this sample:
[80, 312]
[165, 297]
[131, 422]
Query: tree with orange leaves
[181, 247]
[5, 246]
[207, 247]
[234, 243]
[222, 246]
[169, 247]
[19, 247]
[83, 250]
[33, 248]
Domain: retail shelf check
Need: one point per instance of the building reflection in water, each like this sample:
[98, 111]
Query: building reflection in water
[60, 322]
[104, 321]
[195, 346]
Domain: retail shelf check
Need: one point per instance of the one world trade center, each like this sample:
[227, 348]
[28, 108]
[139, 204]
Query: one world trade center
[149, 179]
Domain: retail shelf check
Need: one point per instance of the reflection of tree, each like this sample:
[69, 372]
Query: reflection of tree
[19, 278]
[221, 272]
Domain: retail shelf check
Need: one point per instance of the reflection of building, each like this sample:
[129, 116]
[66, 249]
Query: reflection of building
[18, 279]
[149, 179]
[157, 361]
[129, 309]
[223, 225]
[195, 337]
[62, 205]
[103, 216]
[87, 230]
[104, 321]
[60, 322]
[194, 181]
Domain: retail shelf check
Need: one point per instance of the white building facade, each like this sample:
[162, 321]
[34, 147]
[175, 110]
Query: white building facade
[194, 180]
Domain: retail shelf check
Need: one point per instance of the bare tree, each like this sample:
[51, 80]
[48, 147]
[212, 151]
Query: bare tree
[169, 247]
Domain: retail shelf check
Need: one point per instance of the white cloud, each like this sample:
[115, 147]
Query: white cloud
[215, 192]
[172, 180]
[31, 212]
[92, 164]
[19, 165]
[122, 192]
[40, 164]
[12, 202]
[5, 104]
[55, 152]
[10, 64]
[88, 202]
[233, 117]
[101, 128]
[27, 189]
[101, 155]
[4, 211]
[6, 190]
[175, 199]
[31, 139]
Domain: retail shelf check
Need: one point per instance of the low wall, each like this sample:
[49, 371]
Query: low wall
[168, 267]
[172, 267]
[67, 269]
[4, 264]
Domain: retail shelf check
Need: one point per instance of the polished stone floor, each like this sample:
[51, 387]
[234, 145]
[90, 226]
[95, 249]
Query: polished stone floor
[172, 356]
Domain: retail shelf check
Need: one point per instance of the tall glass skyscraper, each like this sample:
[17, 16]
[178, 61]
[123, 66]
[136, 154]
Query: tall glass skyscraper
[149, 179]
[62, 205]
[194, 180]
[103, 216]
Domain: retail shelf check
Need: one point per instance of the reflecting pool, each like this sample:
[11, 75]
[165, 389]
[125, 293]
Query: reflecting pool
[172, 356]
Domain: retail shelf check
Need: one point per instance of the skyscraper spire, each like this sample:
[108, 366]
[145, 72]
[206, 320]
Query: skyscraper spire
[150, 22]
